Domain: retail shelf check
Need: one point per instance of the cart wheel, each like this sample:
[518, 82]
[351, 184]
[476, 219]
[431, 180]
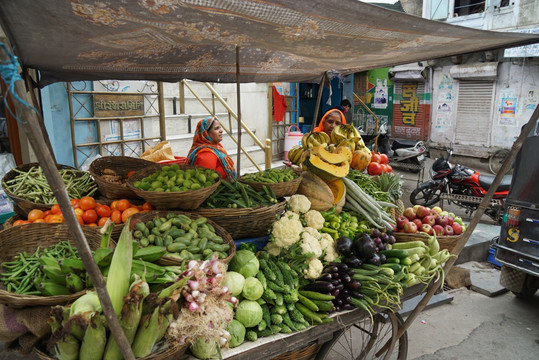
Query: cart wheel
[366, 340]
[496, 160]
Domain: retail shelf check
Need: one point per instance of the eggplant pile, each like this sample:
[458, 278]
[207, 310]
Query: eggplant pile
[336, 280]
[365, 248]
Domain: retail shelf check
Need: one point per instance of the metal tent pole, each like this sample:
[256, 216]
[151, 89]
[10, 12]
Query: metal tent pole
[238, 100]
[318, 100]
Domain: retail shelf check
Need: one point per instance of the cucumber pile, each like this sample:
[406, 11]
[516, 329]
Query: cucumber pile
[182, 237]
[271, 176]
[234, 194]
[171, 178]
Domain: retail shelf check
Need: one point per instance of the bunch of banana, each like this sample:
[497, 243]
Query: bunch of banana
[346, 131]
[297, 154]
[312, 139]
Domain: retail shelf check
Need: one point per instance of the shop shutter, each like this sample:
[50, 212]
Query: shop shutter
[474, 108]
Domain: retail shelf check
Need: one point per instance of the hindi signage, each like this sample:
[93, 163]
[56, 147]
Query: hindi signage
[107, 105]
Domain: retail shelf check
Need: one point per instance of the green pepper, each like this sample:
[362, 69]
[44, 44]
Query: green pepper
[248, 246]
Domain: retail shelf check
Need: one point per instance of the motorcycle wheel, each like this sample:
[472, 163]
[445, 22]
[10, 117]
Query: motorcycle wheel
[426, 194]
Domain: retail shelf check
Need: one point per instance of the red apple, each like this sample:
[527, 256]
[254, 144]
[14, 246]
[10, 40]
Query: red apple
[426, 228]
[429, 219]
[401, 220]
[450, 220]
[418, 222]
[434, 213]
[457, 228]
[410, 227]
[438, 229]
[410, 213]
[442, 220]
[422, 211]
[448, 230]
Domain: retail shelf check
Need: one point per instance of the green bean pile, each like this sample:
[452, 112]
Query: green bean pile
[32, 185]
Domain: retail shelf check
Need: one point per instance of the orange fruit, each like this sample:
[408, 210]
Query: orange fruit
[55, 209]
[102, 221]
[123, 205]
[35, 214]
[128, 212]
[103, 211]
[116, 216]
[87, 203]
[89, 216]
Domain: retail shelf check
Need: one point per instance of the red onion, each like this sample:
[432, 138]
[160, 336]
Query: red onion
[193, 284]
[193, 306]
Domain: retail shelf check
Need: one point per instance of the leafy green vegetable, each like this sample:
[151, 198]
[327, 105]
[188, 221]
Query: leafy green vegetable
[252, 288]
[249, 313]
[244, 262]
[204, 348]
[237, 333]
[234, 281]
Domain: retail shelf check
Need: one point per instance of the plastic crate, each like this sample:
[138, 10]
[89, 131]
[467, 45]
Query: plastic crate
[491, 259]
[260, 242]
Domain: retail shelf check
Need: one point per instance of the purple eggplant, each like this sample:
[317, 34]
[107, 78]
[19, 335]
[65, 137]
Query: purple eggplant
[343, 245]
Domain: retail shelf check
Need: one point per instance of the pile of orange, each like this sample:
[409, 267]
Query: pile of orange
[89, 212]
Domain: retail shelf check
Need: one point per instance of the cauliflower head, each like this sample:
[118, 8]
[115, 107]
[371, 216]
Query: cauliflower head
[286, 232]
[313, 232]
[328, 246]
[299, 203]
[310, 244]
[273, 249]
[314, 219]
[291, 215]
[314, 270]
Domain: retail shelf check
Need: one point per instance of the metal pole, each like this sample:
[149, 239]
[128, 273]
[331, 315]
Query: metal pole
[238, 165]
[35, 136]
[319, 99]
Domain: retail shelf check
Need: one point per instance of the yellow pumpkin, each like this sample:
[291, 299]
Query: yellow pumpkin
[361, 158]
[317, 191]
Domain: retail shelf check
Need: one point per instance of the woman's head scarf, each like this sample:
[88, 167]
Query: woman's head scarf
[203, 142]
[320, 127]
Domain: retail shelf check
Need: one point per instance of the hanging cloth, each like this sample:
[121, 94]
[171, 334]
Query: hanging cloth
[279, 105]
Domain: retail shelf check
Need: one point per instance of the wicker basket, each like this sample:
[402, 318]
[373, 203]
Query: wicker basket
[27, 238]
[20, 205]
[122, 165]
[307, 353]
[166, 260]
[287, 188]
[184, 200]
[245, 222]
[446, 242]
[170, 353]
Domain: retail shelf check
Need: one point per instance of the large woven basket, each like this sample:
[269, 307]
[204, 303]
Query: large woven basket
[245, 222]
[287, 188]
[22, 206]
[183, 200]
[168, 353]
[446, 242]
[122, 165]
[167, 260]
[27, 238]
[307, 353]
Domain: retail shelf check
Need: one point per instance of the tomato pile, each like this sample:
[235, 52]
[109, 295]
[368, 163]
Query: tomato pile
[89, 212]
[379, 164]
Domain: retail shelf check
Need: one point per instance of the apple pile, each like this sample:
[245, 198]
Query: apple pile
[431, 221]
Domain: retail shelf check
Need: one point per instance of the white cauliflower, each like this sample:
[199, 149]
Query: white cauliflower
[314, 219]
[286, 232]
[273, 249]
[291, 215]
[315, 269]
[313, 232]
[299, 203]
[310, 244]
[328, 246]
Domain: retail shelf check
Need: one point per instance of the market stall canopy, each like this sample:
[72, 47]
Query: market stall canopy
[279, 40]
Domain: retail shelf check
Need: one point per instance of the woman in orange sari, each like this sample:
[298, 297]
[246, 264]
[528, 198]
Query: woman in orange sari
[207, 150]
[330, 120]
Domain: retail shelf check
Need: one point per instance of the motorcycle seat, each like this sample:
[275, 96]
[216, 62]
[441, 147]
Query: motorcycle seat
[486, 180]
[403, 143]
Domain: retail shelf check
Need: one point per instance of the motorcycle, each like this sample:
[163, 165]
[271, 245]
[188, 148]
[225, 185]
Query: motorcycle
[400, 151]
[465, 186]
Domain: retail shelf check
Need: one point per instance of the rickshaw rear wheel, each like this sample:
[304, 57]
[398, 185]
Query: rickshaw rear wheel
[366, 339]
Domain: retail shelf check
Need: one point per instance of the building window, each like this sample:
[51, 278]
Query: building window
[468, 7]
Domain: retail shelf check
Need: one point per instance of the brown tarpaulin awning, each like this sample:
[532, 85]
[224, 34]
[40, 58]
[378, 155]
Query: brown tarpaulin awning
[170, 40]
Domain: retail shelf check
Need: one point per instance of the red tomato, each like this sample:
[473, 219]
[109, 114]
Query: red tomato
[389, 168]
[54, 218]
[75, 203]
[103, 211]
[102, 221]
[55, 209]
[375, 158]
[384, 159]
[78, 211]
[374, 169]
[89, 216]
[116, 216]
[384, 168]
[87, 203]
